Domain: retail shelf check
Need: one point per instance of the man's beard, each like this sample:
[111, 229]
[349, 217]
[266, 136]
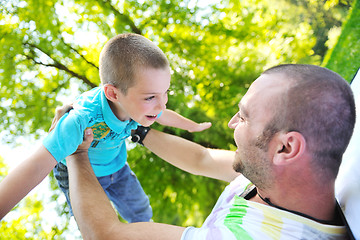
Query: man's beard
[238, 166]
[254, 166]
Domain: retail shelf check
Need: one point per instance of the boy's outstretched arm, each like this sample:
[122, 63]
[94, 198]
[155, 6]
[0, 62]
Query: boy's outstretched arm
[21, 180]
[190, 156]
[93, 212]
[173, 119]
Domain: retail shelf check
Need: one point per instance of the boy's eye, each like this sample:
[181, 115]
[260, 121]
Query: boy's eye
[149, 98]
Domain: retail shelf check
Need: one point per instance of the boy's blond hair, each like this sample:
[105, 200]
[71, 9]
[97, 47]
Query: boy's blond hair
[124, 55]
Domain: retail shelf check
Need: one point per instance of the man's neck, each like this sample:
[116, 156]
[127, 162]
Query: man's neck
[316, 205]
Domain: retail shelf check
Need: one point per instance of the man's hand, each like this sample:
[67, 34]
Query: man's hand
[88, 134]
[59, 112]
[84, 146]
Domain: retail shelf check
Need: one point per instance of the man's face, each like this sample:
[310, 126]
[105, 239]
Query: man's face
[148, 97]
[252, 157]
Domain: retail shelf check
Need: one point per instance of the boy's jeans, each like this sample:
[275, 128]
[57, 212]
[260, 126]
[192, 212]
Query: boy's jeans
[122, 188]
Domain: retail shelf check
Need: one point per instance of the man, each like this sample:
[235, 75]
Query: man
[292, 127]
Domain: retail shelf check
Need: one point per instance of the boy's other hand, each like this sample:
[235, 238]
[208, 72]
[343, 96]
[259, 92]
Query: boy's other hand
[59, 112]
[201, 127]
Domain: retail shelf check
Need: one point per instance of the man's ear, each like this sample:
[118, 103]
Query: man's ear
[111, 92]
[290, 147]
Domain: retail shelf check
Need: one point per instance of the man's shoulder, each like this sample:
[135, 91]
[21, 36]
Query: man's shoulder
[240, 184]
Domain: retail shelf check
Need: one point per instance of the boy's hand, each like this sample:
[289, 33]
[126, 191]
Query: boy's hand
[59, 112]
[201, 127]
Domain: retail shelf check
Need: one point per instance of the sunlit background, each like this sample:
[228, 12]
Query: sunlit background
[49, 54]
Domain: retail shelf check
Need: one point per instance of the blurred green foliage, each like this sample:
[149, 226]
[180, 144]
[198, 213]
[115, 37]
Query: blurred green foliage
[50, 49]
[344, 58]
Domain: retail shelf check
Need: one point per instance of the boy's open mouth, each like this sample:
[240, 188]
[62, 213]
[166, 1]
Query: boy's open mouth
[151, 117]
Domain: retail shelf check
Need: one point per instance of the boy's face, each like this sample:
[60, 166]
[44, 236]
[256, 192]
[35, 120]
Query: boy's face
[148, 97]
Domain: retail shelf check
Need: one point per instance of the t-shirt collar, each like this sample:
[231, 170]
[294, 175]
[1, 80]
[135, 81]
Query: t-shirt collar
[111, 120]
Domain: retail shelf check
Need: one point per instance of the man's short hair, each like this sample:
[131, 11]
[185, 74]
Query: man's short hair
[320, 105]
[126, 54]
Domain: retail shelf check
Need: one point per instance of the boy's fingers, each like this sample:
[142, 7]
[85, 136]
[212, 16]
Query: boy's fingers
[205, 125]
[59, 112]
[201, 127]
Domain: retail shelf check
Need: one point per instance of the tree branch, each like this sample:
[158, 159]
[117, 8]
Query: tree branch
[121, 16]
[77, 52]
[57, 65]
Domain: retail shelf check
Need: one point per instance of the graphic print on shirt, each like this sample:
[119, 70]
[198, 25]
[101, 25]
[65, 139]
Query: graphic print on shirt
[234, 219]
[100, 130]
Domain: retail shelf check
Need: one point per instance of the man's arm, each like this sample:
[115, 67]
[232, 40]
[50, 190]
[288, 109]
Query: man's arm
[27, 175]
[173, 119]
[21, 180]
[93, 212]
[191, 157]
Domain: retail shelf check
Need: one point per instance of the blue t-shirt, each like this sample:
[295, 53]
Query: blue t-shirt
[107, 153]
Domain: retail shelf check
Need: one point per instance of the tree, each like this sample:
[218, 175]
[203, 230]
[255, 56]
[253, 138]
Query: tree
[49, 53]
[346, 62]
[323, 16]
[210, 47]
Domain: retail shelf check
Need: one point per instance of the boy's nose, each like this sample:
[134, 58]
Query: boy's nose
[162, 103]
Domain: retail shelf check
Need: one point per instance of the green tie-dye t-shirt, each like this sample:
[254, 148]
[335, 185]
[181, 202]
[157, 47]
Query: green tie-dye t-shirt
[235, 218]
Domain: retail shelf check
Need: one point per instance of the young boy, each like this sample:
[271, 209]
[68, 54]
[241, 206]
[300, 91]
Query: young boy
[135, 76]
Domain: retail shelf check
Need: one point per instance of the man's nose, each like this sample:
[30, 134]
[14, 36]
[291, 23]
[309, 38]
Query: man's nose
[232, 123]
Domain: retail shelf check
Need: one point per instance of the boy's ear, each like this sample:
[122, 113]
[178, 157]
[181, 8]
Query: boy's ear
[290, 147]
[111, 92]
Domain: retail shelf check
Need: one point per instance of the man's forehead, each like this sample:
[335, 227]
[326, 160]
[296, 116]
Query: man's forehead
[263, 90]
[270, 79]
[269, 83]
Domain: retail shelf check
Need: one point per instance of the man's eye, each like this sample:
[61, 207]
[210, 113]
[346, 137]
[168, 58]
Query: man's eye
[149, 98]
[240, 117]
